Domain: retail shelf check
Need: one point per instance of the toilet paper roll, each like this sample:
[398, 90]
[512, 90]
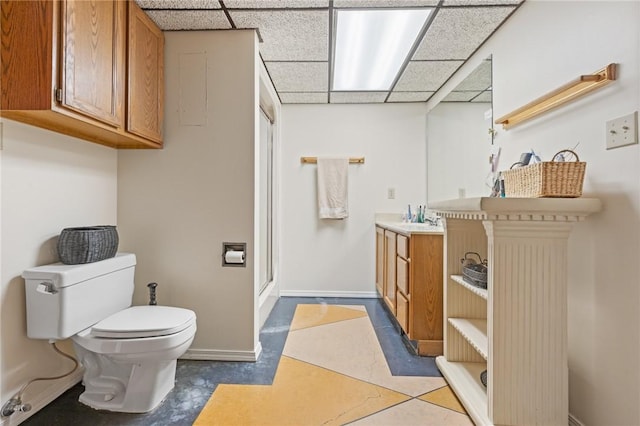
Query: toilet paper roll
[234, 256]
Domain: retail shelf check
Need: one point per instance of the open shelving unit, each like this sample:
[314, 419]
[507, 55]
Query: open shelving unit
[516, 329]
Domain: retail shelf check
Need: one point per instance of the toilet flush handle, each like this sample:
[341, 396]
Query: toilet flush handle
[152, 293]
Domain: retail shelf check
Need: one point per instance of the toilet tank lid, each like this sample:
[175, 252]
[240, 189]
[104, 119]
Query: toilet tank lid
[66, 275]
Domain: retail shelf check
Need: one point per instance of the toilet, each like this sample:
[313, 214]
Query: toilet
[128, 352]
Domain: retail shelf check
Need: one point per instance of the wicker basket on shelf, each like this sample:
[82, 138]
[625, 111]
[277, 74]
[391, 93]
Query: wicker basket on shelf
[562, 179]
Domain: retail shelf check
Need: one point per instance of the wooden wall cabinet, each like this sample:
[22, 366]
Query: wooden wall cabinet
[516, 329]
[64, 69]
[411, 267]
[145, 76]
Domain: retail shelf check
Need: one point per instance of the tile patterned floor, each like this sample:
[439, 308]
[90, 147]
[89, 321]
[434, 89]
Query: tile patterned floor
[336, 361]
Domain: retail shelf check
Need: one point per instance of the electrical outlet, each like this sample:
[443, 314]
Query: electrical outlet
[622, 131]
[391, 193]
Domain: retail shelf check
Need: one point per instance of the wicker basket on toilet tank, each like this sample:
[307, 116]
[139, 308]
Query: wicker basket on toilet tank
[87, 244]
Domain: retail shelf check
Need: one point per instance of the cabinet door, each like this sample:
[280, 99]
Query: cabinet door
[92, 62]
[380, 261]
[402, 313]
[403, 275]
[145, 97]
[390, 289]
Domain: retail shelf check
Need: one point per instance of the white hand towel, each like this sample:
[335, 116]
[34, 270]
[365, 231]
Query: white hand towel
[333, 183]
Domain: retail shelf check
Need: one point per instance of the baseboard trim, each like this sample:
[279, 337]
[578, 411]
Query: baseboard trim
[573, 421]
[223, 355]
[44, 398]
[340, 294]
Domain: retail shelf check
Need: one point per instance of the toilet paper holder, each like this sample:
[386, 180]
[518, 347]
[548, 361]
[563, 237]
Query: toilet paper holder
[234, 254]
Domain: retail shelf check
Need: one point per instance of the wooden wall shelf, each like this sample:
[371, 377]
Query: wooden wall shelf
[562, 95]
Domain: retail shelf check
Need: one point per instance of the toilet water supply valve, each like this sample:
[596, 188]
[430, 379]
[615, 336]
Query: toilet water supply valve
[152, 293]
[15, 403]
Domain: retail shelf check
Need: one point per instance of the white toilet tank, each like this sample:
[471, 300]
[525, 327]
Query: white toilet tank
[63, 300]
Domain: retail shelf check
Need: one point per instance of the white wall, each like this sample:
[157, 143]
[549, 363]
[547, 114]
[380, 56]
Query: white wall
[337, 257]
[461, 137]
[543, 46]
[177, 206]
[48, 182]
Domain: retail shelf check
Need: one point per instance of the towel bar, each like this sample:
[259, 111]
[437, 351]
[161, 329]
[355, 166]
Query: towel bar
[314, 160]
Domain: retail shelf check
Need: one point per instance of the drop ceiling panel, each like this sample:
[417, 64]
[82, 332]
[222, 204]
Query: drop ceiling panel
[358, 97]
[424, 76]
[189, 19]
[288, 35]
[409, 96]
[457, 32]
[303, 98]
[465, 96]
[483, 97]
[275, 4]
[383, 3]
[479, 79]
[179, 4]
[480, 2]
[299, 76]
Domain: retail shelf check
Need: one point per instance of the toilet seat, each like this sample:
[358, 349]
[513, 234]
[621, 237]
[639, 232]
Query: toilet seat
[143, 321]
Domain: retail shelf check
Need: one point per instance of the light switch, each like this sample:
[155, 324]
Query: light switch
[391, 193]
[622, 131]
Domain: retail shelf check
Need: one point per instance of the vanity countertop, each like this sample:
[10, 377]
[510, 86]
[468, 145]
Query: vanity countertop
[410, 228]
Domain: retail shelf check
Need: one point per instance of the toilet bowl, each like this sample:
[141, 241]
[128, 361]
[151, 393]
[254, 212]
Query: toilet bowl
[128, 352]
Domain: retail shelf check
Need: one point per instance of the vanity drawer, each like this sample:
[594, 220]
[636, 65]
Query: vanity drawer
[402, 271]
[403, 246]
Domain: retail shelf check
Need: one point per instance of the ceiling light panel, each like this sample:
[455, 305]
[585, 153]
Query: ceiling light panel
[358, 97]
[275, 4]
[299, 76]
[304, 98]
[383, 3]
[371, 46]
[179, 4]
[409, 96]
[424, 76]
[301, 35]
[457, 32]
[189, 19]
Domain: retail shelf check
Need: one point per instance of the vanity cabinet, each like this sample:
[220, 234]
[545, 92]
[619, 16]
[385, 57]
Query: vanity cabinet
[411, 267]
[64, 68]
[516, 329]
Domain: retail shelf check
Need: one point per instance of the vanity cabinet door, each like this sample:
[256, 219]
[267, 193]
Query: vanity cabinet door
[390, 280]
[93, 59]
[380, 261]
[402, 312]
[403, 275]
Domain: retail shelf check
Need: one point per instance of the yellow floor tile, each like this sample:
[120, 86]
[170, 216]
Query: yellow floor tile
[301, 394]
[415, 413]
[352, 348]
[314, 315]
[444, 397]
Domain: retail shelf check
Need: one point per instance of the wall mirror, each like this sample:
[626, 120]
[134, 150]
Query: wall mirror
[460, 139]
[477, 88]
